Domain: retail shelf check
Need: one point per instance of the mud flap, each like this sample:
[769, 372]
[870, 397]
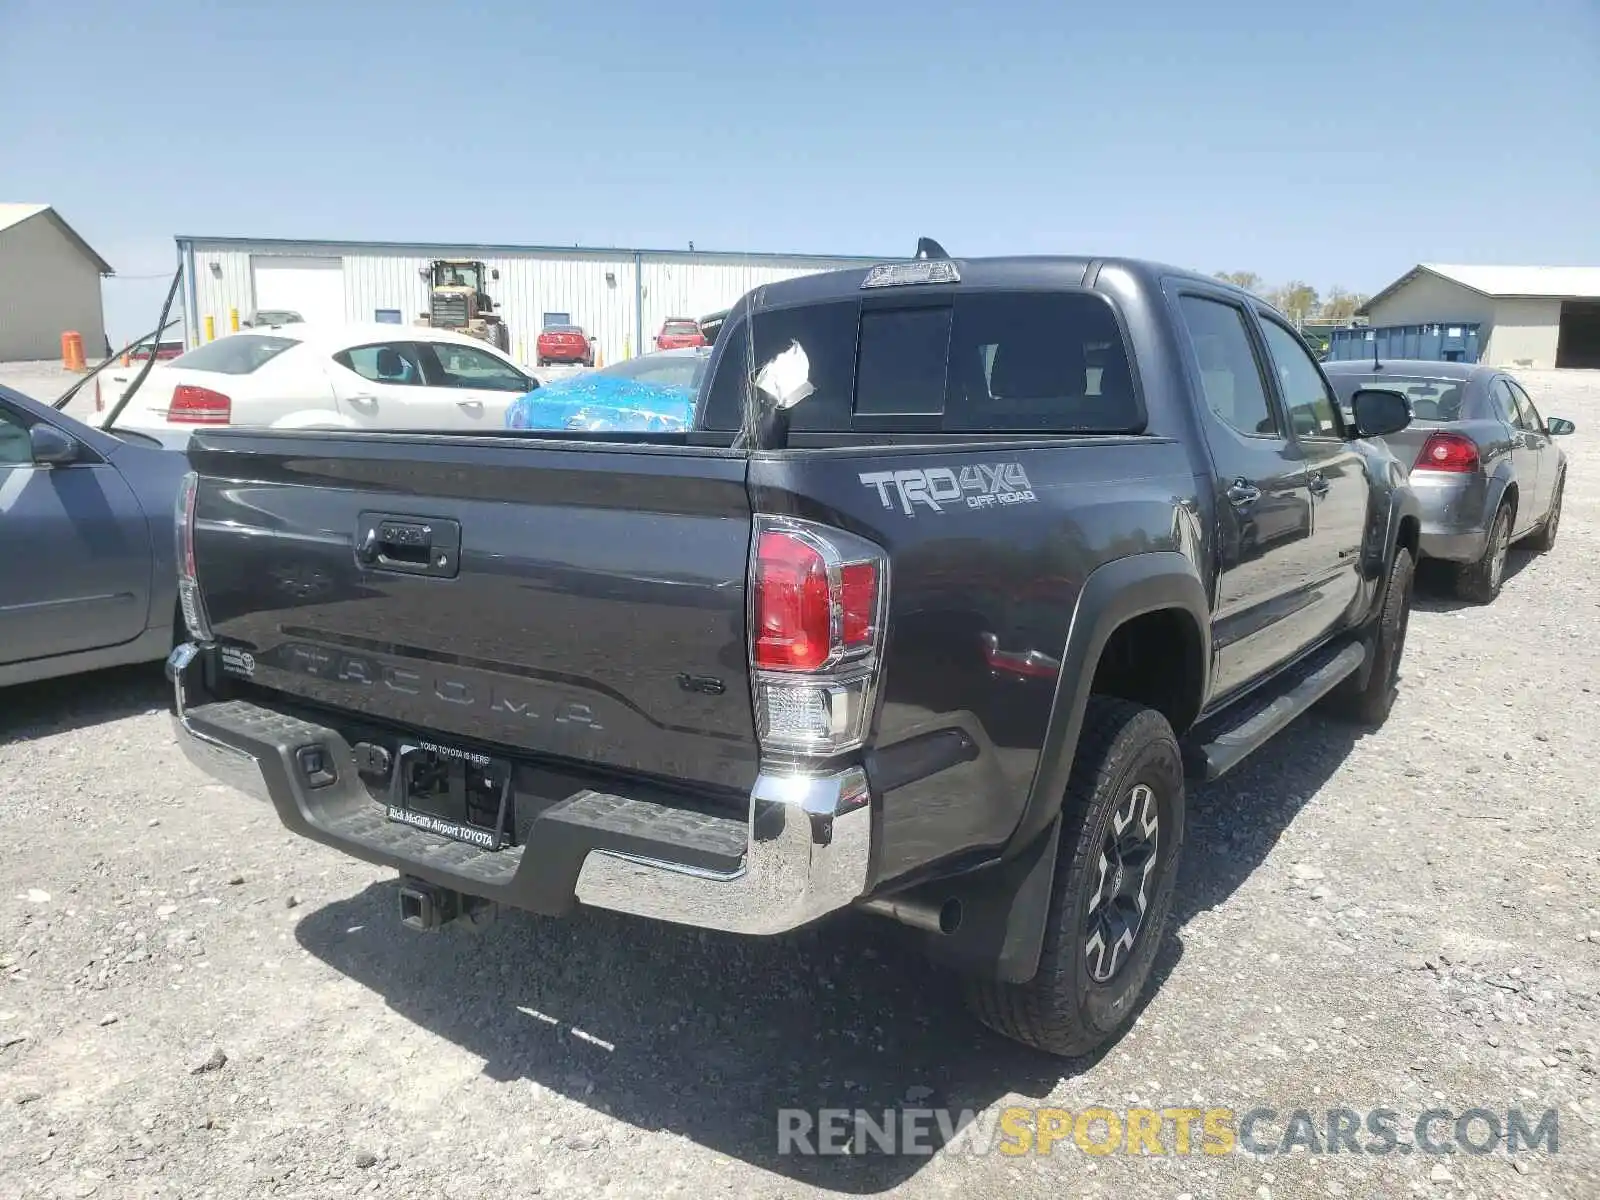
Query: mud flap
[1003, 913]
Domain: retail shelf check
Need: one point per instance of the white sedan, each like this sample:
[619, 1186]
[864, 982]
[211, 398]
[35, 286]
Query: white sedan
[379, 377]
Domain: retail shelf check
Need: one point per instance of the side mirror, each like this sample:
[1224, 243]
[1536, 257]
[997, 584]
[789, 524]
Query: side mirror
[1379, 412]
[1558, 426]
[51, 447]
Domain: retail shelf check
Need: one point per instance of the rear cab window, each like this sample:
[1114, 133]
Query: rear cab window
[238, 354]
[1020, 362]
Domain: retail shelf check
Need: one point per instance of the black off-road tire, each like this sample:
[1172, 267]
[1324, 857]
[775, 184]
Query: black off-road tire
[1370, 705]
[1123, 750]
[1544, 540]
[1480, 582]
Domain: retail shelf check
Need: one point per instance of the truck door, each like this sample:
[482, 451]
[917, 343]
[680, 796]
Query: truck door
[1263, 506]
[1336, 475]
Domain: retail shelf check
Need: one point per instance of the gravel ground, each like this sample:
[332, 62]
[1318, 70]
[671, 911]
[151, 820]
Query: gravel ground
[44, 381]
[193, 1003]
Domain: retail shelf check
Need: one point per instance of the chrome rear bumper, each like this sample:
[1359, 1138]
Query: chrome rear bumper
[807, 853]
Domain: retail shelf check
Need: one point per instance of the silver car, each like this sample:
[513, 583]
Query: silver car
[86, 538]
[1484, 463]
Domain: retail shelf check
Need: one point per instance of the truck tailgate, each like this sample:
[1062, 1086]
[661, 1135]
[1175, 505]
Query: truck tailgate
[580, 601]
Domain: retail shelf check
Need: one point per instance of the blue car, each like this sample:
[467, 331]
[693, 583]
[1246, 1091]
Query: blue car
[654, 392]
[86, 536]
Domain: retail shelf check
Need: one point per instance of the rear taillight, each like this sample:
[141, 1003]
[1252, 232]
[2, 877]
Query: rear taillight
[192, 405]
[817, 608]
[194, 613]
[1447, 452]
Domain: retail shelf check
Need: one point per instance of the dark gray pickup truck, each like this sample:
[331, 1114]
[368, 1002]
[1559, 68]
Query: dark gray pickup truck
[964, 566]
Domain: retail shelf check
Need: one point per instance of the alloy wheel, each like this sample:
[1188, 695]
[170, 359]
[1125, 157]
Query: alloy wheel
[1127, 863]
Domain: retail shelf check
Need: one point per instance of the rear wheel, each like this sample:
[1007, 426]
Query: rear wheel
[1480, 582]
[1545, 539]
[1121, 838]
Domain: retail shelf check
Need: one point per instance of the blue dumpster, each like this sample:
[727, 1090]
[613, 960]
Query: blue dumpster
[1444, 342]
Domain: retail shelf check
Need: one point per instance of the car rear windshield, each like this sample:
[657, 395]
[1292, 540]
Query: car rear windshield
[1431, 399]
[1019, 362]
[667, 370]
[682, 327]
[239, 354]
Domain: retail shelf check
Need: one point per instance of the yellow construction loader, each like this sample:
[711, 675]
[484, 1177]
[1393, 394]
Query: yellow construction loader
[458, 300]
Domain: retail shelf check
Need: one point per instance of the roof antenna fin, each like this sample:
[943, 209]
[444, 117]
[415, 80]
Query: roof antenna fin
[928, 248]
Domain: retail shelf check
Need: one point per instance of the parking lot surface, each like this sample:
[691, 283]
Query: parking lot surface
[193, 1003]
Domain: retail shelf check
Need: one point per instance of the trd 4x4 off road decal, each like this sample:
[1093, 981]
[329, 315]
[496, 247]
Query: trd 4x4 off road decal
[983, 485]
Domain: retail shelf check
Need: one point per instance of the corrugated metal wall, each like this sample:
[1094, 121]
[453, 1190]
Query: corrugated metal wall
[221, 283]
[695, 287]
[598, 287]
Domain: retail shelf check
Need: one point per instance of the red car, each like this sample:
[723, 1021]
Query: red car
[564, 344]
[679, 333]
[165, 350]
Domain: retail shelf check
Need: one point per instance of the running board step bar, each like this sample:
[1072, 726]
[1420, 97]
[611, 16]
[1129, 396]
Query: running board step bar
[1228, 739]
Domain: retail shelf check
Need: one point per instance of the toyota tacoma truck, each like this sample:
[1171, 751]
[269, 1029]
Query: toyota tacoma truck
[962, 570]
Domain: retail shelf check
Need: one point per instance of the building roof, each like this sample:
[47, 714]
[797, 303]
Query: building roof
[1552, 283]
[490, 250]
[16, 214]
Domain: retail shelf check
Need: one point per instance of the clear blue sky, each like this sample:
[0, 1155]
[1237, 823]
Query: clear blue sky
[1338, 143]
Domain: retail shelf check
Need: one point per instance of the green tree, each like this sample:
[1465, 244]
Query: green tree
[1340, 305]
[1295, 299]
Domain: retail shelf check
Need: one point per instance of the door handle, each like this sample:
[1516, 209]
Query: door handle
[1319, 484]
[1241, 493]
[469, 403]
[364, 398]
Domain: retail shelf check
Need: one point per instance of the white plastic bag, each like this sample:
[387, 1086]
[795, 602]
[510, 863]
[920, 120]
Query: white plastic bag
[787, 378]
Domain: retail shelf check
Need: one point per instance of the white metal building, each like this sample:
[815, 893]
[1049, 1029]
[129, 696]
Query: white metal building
[1529, 316]
[619, 296]
[49, 285]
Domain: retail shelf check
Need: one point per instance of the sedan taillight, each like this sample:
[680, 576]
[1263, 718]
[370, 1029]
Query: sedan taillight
[1447, 452]
[192, 405]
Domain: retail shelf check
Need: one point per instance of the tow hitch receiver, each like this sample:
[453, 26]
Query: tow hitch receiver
[427, 907]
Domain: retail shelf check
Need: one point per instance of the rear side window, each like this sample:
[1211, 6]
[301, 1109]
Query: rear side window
[239, 354]
[390, 362]
[1020, 362]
